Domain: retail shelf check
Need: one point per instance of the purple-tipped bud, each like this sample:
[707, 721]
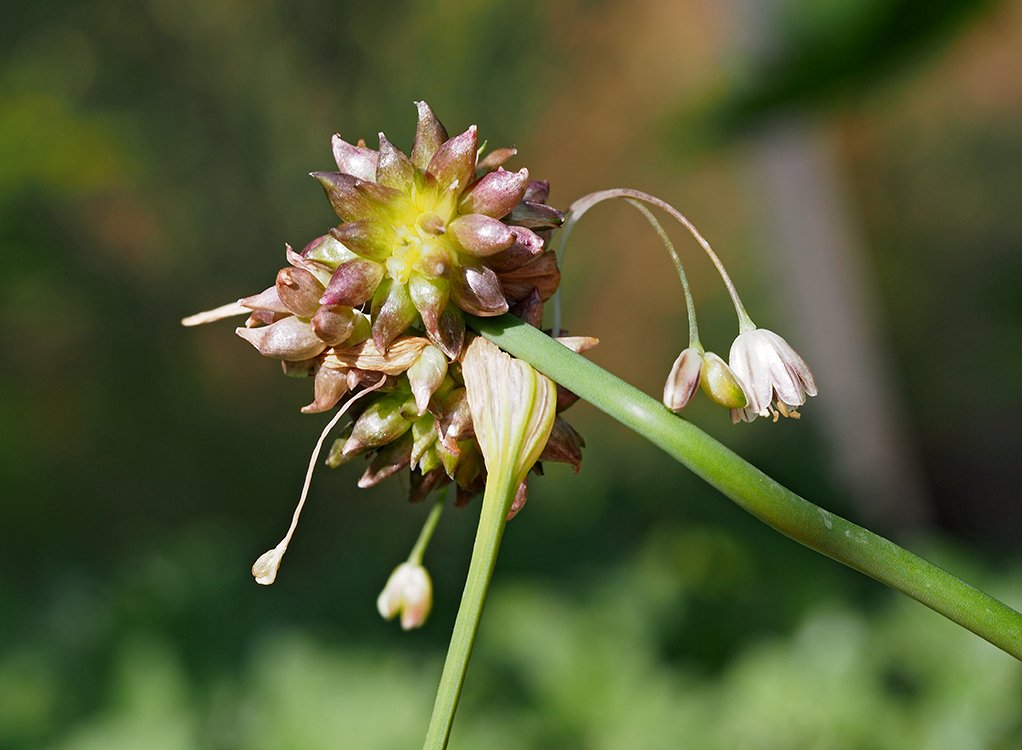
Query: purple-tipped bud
[268, 300]
[564, 446]
[426, 375]
[299, 290]
[329, 387]
[444, 324]
[394, 170]
[353, 283]
[334, 324]
[347, 202]
[429, 135]
[495, 158]
[449, 331]
[357, 161]
[389, 460]
[288, 338]
[541, 275]
[481, 235]
[537, 191]
[383, 420]
[683, 379]
[455, 161]
[369, 239]
[536, 216]
[393, 312]
[477, 291]
[527, 247]
[495, 194]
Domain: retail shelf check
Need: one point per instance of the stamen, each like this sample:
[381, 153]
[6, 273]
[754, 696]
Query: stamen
[265, 568]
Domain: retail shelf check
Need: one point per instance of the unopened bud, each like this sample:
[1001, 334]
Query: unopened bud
[426, 375]
[720, 384]
[683, 379]
[408, 592]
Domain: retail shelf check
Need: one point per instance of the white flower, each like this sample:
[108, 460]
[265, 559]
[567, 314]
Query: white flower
[776, 379]
[409, 592]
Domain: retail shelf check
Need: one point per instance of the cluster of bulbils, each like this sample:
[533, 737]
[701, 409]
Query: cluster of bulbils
[376, 310]
[423, 241]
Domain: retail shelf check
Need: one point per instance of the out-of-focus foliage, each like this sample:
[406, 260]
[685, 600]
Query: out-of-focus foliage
[604, 664]
[822, 51]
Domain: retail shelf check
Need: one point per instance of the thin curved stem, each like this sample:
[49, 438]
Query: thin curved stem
[755, 492]
[415, 556]
[690, 305]
[583, 204]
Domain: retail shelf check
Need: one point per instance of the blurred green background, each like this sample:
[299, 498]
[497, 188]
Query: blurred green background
[855, 162]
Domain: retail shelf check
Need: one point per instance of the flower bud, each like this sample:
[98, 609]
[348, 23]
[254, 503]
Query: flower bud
[683, 379]
[383, 421]
[289, 338]
[454, 163]
[426, 375]
[299, 290]
[495, 194]
[357, 161]
[476, 290]
[429, 134]
[720, 384]
[353, 283]
[329, 387]
[409, 592]
[481, 235]
[334, 324]
[536, 215]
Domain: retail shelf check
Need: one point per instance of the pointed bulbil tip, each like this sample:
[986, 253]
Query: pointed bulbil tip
[429, 135]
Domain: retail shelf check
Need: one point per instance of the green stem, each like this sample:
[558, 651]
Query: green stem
[755, 492]
[690, 305]
[497, 499]
[415, 556]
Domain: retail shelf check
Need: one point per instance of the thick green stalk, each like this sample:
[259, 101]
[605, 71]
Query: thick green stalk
[751, 489]
[497, 499]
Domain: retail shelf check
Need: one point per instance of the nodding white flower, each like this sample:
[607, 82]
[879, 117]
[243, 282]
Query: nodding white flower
[776, 379]
[409, 592]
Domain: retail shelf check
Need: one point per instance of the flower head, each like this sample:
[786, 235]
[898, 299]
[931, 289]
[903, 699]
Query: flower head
[435, 235]
[409, 593]
[776, 379]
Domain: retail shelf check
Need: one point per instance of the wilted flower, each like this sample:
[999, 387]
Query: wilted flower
[408, 592]
[776, 379]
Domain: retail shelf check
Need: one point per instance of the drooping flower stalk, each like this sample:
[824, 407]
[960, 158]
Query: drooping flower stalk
[690, 305]
[264, 570]
[583, 204]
